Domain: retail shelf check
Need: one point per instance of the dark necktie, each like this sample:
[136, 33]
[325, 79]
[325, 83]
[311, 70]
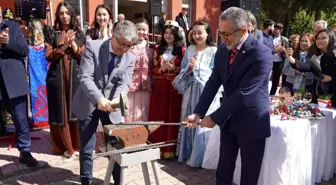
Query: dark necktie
[111, 64]
[233, 55]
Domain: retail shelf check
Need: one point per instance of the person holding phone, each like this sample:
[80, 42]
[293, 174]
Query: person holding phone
[296, 79]
[322, 63]
[14, 84]
[280, 43]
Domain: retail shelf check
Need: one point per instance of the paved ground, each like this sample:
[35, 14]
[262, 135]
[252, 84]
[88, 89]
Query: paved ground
[56, 170]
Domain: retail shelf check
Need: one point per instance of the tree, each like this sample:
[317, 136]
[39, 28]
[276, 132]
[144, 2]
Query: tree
[275, 10]
[302, 22]
[302, 13]
[330, 17]
[317, 6]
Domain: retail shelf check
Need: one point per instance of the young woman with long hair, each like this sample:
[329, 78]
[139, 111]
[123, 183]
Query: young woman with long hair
[165, 103]
[102, 25]
[64, 46]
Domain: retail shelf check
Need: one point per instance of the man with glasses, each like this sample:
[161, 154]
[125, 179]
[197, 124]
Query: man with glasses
[242, 65]
[105, 72]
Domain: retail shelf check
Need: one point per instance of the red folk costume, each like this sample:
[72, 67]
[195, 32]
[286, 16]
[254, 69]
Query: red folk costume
[165, 104]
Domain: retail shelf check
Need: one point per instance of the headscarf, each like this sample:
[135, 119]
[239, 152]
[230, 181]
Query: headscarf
[8, 14]
[175, 23]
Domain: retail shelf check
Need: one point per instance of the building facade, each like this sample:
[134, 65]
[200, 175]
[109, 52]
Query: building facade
[208, 10]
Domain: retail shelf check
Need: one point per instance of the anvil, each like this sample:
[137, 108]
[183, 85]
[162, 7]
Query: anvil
[130, 135]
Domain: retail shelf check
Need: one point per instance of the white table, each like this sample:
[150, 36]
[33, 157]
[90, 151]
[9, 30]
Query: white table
[299, 152]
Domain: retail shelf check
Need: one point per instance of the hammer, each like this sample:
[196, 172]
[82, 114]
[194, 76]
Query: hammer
[121, 103]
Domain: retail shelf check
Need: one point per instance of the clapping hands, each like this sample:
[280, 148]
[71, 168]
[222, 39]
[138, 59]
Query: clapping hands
[192, 63]
[71, 36]
[70, 40]
[167, 66]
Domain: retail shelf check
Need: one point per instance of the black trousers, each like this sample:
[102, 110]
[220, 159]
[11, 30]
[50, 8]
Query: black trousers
[17, 107]
[276, 73]
[251, 152]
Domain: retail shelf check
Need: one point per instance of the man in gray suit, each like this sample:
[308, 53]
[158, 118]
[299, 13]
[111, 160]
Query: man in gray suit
[105, 71]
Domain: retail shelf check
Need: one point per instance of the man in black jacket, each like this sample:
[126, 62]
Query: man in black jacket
[14, 85]
[182, 19]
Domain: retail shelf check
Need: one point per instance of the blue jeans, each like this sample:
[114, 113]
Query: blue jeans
[87, 136]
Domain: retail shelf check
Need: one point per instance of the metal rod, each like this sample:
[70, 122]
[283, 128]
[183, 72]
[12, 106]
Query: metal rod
[81, 14]
[115, 10]
[51, 13]
[155, 123]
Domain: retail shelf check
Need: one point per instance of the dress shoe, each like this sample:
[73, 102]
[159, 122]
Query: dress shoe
[27, 159]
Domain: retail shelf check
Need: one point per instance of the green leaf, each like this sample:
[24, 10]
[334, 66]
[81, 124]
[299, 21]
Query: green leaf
[325, 96]
[302, 22]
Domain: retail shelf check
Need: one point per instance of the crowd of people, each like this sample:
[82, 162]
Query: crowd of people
[166, 82]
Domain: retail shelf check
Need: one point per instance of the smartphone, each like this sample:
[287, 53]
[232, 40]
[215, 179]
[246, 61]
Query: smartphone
[3, 27]
[289, 45]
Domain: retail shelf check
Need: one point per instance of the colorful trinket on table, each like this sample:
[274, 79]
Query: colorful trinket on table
[297, 112]
[316, 110]
[297, 109]
[284, 117]
[285, 109]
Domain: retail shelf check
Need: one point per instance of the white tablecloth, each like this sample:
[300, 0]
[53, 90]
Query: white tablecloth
[299, 152]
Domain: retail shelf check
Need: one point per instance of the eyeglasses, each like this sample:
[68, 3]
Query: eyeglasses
[226, 35]
[124, 45]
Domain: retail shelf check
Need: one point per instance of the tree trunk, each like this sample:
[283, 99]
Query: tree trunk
[285, 31]
[318, 15]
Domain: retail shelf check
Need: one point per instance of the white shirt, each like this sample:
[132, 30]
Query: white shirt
[241, 44]
[277, 56]
[186, 21]
[168, 54]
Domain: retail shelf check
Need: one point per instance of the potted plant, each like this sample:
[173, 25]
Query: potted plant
[298, 94]
[324, 100]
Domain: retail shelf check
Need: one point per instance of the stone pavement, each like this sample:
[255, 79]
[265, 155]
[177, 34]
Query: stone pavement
[56, 170]
[171, 173]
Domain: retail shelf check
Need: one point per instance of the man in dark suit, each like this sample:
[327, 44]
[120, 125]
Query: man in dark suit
[182, 19]
[242, 66]
[14, 85]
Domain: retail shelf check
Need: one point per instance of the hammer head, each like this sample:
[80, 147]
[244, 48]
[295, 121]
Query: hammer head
[121, 103]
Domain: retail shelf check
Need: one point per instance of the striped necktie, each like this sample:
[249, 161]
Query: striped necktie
[233, 55]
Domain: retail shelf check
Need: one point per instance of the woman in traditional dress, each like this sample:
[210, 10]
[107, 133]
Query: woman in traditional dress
[64, 45]
[101, 30]
[196, 69]
[140, 89]
[165, 104]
